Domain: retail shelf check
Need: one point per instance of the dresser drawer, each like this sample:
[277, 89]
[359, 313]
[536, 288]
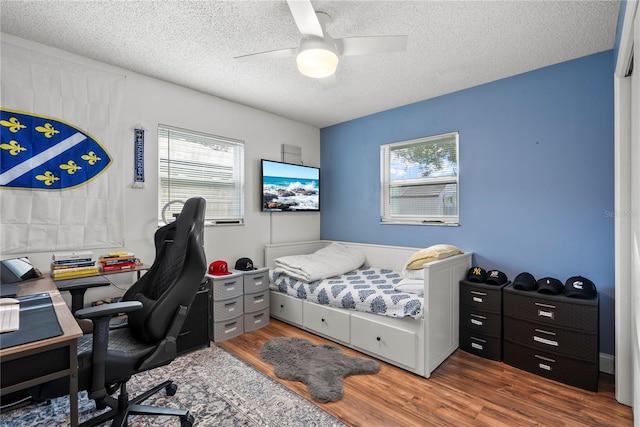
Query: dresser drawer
[256, 301]
[481, 345]
[256, 281]
[257, 320]
[227, 309]
[575, 372]
[552, 310]
[227, 287]
[227, 329]
[327, 321]
[568, 342]
[480, 321]
[286, 308]
[480, 296]
[384, 341]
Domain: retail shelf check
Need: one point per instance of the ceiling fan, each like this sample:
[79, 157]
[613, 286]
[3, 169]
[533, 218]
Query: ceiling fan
[318, 54]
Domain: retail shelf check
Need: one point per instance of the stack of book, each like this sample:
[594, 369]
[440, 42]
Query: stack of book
[118, 261]
[66, 265]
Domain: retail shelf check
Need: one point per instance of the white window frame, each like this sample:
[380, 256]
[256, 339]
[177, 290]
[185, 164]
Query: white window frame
[387, 214]
[214, 171]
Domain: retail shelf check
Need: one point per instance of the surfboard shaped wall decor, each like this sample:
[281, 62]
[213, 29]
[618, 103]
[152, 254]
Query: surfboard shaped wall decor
[40, 152]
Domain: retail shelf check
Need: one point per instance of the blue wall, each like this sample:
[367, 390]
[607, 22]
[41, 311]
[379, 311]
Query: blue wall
[536, 175]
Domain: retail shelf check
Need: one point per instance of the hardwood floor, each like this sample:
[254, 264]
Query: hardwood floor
[465, 390]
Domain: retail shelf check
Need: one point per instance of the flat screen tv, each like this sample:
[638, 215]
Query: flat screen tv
[290, 188]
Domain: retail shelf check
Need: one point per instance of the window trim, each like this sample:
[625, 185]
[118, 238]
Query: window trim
[385, 184]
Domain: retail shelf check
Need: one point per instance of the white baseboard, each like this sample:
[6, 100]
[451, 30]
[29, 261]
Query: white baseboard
[607, 363]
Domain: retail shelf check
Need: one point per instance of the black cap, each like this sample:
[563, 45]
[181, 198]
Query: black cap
[525, 281]
[496, 277]
[580, 287]
[549, 285]
[244, 264]
[476, 274]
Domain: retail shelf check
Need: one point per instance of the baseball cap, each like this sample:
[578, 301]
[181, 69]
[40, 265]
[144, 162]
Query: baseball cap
[476, 274]
[496, 277]
[580, 287]
[549, 285]
[219, 268]
[525, 281]
[244, 264]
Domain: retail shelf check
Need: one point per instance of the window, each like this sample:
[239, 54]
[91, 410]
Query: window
[194, 164]
[419, 180]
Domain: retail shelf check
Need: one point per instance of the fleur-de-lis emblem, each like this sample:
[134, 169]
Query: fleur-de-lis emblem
[71, 167]
[91, 158]
[47, 130]
[12, 147]
[12, 124]
[48, 178]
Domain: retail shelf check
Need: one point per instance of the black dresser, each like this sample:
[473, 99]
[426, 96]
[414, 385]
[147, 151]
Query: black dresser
[554, 336]
[481, 319]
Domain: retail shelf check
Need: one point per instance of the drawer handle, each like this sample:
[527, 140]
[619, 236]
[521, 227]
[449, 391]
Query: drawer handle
[230, 303]
[230, 327]
[322, 320]
[281, 305]
[545, 366]
[258, 300]
[546, 359]
[478, 316]
[542, 331]
[478, 339]
[539, 304]
[378, 338]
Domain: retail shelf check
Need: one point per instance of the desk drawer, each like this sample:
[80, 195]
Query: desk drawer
[32, 367]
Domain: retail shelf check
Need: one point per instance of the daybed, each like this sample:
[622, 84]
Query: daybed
[418, 342]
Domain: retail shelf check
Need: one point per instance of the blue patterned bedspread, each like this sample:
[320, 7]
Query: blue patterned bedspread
[368, 290]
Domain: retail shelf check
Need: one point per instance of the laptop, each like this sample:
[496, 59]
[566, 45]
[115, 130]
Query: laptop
[15, 271]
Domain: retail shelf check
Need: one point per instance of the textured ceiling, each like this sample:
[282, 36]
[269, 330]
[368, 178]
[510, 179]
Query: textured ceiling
[452, 45]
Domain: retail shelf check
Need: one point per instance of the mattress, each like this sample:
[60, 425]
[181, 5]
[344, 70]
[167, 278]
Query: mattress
[368, 290]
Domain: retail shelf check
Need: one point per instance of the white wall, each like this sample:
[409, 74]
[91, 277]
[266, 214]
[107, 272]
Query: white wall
[150, 102]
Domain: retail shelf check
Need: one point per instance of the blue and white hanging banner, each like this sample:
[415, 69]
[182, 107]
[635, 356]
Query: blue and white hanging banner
[138, 154]
[46, 153]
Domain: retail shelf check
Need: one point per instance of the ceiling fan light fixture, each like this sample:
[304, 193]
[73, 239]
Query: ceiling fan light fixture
[316, 58]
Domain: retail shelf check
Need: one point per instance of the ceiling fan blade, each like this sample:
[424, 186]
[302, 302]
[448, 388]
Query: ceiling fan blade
[305, 17]
[271, 54]
[368, 45]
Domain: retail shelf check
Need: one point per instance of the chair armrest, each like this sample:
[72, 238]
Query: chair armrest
[108, 310]
[78, 286]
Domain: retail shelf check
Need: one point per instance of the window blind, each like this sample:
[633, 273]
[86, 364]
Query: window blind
[193, 164]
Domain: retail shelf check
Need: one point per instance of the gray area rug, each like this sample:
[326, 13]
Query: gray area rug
[218, 388]
[321, 367]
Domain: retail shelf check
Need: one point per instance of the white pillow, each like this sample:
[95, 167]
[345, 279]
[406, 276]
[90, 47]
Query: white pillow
[412, 286]
[431, 253]
[413, 274]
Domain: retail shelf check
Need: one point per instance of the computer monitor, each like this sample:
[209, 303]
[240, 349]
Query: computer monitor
[14, 271]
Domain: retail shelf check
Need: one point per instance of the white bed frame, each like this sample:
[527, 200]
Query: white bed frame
[417, 345]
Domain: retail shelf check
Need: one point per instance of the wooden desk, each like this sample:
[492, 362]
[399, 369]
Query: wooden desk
[41, 361]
